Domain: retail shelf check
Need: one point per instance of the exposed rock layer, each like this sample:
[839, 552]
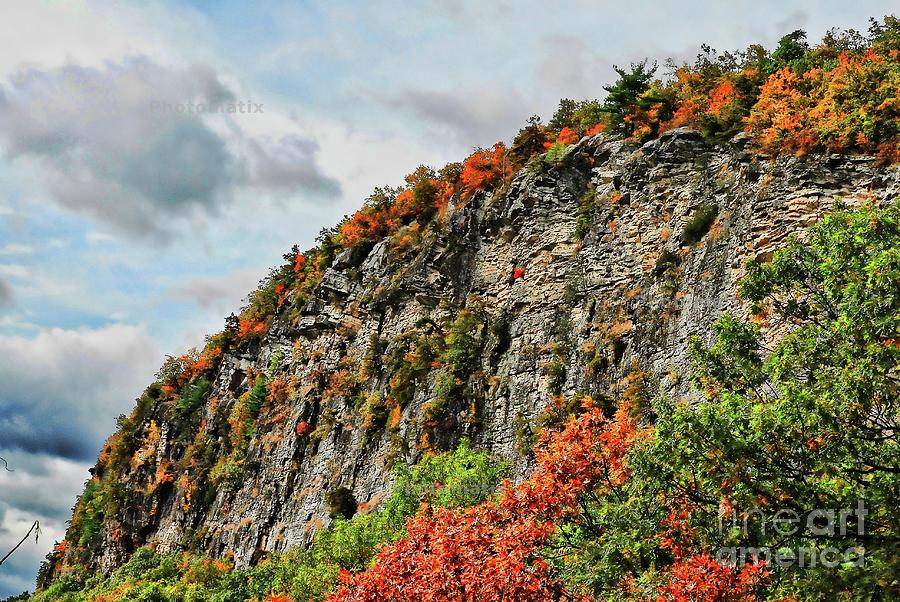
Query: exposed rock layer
[586, 316]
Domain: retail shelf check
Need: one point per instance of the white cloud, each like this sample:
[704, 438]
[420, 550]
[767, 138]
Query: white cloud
[95, 238]
[219, 295]
[52, 34]
[363, 159]
[14, 270]
[16, 249]
[570, 68]
[16, 322]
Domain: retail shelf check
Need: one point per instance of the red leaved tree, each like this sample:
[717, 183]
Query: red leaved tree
[700, 578]
[491, 552]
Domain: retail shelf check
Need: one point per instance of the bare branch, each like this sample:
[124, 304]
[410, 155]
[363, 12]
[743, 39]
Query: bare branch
[36, 528]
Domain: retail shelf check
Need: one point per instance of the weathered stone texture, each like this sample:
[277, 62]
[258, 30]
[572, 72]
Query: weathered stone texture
[609, 291]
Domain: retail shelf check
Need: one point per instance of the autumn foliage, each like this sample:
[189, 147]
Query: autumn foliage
[425, 196]
[369, 223]
[494, 551]
[836, 97]
[595, 129]
[483, 168]
[448, 553]
[840, 96]
[252, 327]
[567, 135]
[700, 578]
[853, 106]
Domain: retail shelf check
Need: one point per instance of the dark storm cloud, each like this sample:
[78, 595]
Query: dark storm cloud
[136, 145]
[62, 388]
[60, 393]
[29, 486]
[40, 488]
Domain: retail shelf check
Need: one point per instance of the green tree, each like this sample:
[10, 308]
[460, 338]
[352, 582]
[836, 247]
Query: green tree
[463, 477]
[812, 424]
[885, 35]
[803, 429]
[529, 141]
[628, 94]
[792, 48]
[564, 116]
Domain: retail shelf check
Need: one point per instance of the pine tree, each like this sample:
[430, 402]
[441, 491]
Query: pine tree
[627, 94]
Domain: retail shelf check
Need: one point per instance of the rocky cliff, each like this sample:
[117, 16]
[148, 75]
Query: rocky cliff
[588, 276]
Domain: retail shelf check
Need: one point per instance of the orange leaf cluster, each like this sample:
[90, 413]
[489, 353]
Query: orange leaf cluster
[423, 197]
[483, 168]
[777, 117]
[722, 96]
[851, 107]
[299, 263]
[191, 365]
[701, 579]
[596, 129]
[251, 328]
[369, 223]
[449, 554]
[677, 535]
[568, 136]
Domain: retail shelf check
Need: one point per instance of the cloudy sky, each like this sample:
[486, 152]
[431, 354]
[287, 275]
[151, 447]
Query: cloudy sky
[131, 223]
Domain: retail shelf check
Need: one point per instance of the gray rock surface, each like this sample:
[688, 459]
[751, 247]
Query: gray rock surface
[585, 316]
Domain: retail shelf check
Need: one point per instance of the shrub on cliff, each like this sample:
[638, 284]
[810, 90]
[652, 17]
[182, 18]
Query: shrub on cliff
[699, 224]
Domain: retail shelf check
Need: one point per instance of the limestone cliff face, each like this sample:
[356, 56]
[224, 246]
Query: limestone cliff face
[613, 288]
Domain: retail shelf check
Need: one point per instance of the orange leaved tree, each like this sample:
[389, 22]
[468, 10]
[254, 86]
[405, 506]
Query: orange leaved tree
[483, 168]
